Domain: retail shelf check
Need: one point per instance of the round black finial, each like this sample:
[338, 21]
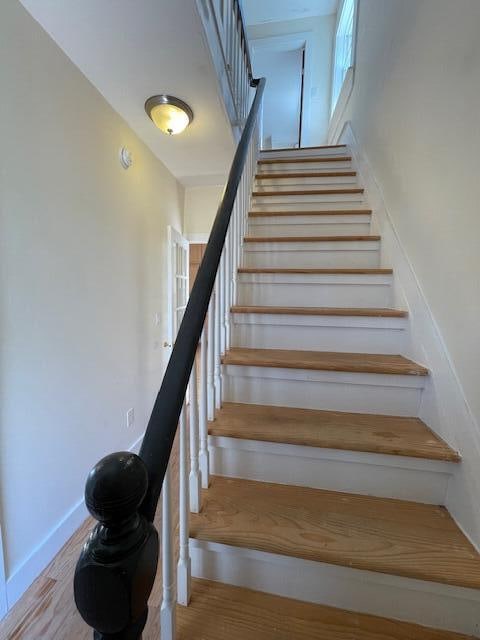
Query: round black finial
[116, 487]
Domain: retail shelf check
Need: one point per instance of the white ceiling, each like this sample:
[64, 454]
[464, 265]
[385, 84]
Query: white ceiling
[132, 49]
[260, 11]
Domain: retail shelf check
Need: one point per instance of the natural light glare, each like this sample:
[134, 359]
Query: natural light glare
[343, 49]
[169, 118]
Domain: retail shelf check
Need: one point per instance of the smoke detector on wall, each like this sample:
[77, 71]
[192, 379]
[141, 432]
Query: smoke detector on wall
[126, 159]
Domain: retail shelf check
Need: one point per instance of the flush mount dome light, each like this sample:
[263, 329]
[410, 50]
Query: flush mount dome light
[171, 115]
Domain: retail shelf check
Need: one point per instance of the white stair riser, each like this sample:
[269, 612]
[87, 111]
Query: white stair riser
[332, 292]
[303, 167]
[309, 198]
[312, 152]
[312, 254]
[315, 337]
[430, 604]
[369, 474]
[286, 207]
[333, 391]
[309, 183]
[312, 227]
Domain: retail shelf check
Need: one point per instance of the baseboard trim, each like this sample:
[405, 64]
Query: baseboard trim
[43, 554]
[444, 404]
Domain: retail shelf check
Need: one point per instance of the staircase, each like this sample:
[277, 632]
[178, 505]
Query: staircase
[327, 488]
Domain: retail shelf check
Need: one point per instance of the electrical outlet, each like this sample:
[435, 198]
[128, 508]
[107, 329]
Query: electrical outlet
[130, 418]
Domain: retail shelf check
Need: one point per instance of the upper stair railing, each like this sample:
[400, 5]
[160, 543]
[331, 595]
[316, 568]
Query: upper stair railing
[116, 570]
[227, 40]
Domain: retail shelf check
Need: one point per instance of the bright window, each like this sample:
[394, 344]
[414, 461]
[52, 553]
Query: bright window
[343, 57]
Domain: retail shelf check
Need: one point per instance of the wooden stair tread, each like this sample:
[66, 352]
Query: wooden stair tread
[307, 270]
[309, 192]
[305, 159]
[368, 433]
[223, 611]
[297, 149]
[375, 534]
[317, 212]
[314, 174]
[324, 361]
[368, 238]
[322, 311]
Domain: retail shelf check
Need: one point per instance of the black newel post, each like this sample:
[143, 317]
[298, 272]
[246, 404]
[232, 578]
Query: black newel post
[116, 570]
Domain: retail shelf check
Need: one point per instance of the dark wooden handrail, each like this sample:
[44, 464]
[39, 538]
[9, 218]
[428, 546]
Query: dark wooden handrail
[160, 433]
[116, 570]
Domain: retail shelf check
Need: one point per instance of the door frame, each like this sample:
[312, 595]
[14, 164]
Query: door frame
[3, 580]
[302, 40]
[174, 238]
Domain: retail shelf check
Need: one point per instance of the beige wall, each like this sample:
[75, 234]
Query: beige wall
[322, 31]
[415, 111]
[201, 204]
[83, 274]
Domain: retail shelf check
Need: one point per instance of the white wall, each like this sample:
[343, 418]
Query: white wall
[201, 204]
[414, 111]
[318, 67]
[83, 273]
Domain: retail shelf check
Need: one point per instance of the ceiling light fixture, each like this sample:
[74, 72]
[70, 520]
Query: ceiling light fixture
[171, 115]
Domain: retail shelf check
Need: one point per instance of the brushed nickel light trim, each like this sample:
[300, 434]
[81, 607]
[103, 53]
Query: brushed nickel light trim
[165, 100]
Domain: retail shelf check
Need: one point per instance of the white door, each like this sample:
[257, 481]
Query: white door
[178, 268]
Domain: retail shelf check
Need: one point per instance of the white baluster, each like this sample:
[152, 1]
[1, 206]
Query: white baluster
[217, 366]
[229, 20]
[234, 248]
[226, 285]
[238, 51]
[221, 275]
[195, 479]
[184, 564]
[167, 610]
[204, 456]
[243, 213]
[211, 358]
